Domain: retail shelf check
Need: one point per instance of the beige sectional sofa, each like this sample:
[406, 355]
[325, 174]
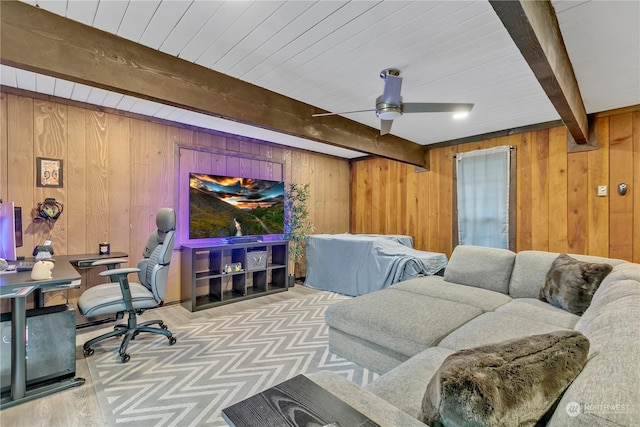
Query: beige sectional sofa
[486, 296]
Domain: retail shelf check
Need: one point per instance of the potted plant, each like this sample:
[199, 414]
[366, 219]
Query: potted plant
[297, 224]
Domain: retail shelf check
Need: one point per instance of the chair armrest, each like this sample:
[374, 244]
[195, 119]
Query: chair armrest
[109, 261]
[118, 271]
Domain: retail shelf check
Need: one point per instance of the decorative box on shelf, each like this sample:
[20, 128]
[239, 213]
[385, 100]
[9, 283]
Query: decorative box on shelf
[256, 260]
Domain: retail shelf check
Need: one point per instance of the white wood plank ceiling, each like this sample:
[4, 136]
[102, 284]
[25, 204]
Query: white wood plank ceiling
[329, 54]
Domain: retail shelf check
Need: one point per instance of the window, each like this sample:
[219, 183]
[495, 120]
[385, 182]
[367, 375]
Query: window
[485, 195]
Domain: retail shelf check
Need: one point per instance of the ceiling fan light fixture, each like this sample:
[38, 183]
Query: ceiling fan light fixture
[388, 112]
[389, 115]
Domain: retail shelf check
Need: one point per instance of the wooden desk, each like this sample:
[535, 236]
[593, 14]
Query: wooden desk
[18, 286]
[84, 261]
[295, 402]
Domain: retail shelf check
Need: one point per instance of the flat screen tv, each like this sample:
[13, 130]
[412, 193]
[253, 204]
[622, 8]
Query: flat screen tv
[225, 206]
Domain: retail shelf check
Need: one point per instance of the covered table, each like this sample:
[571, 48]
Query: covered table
[356, 264]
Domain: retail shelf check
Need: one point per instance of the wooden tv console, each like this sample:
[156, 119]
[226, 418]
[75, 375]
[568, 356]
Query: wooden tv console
[218, 274]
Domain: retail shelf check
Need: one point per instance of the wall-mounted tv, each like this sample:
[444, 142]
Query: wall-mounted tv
[226, 206]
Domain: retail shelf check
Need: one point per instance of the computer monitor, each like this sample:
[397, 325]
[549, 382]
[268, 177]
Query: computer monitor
[8, 231]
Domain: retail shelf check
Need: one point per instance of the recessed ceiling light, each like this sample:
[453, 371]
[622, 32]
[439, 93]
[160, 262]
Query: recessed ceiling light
[461, 115]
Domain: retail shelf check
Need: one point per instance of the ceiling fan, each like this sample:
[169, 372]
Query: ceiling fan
[389, 105]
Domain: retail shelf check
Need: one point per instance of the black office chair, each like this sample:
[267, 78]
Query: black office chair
[133, 298]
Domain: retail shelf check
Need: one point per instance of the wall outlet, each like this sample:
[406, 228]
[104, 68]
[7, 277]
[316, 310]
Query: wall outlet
[602, 190]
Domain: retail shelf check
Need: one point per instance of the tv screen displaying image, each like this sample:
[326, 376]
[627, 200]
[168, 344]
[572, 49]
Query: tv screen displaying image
[224, 206]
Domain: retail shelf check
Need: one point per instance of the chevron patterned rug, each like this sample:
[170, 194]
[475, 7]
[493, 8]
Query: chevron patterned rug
[216, 363]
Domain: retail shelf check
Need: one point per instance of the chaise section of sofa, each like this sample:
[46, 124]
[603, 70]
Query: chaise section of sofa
[383, 329]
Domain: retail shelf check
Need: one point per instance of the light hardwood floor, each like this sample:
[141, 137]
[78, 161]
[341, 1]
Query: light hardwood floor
[79, 407]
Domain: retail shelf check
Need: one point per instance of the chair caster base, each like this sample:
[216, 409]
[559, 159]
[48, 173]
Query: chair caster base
[172, 340]
[88, 352]
[125, 358]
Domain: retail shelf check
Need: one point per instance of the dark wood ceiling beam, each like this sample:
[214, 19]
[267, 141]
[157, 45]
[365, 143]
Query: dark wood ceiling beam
[534, 28]
[39, 41]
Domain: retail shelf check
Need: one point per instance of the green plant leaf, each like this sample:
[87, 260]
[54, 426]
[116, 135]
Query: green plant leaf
[296, 215]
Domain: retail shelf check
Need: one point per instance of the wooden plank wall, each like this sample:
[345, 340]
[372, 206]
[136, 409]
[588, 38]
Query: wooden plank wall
[119, 170]
[557, 204]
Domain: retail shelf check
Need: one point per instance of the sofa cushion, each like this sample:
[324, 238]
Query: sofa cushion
[540, 311]
[494, 327]
[405, 322]
[611, 322]
[531, 267]
[610, 293]
[403, 386]
[435, 286]
[505, 384]
[487, 268]
[570, 284]
[623, 271]
[363, 401]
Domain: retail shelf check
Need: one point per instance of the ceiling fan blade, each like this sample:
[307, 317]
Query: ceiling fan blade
[385, 126]
[435, 107]
[391, 93]
[344, 112]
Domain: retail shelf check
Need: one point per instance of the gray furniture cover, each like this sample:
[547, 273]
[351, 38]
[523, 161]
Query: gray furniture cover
[357, 264]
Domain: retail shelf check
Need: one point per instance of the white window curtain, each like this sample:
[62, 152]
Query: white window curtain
[483, 197]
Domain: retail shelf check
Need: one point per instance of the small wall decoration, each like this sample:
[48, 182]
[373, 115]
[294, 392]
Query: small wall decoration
[49, 172]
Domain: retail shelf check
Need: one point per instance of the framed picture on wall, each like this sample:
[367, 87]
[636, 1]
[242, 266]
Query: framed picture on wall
[49, 172]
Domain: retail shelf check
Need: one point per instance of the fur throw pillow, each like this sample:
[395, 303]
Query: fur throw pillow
[570, 284]
[512, 383]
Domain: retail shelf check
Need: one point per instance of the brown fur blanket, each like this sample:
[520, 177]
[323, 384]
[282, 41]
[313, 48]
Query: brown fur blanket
[512, 383]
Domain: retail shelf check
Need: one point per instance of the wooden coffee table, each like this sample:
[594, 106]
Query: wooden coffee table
[295, 402]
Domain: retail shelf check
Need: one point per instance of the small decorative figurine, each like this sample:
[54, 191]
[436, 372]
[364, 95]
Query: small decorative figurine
[42, 270]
